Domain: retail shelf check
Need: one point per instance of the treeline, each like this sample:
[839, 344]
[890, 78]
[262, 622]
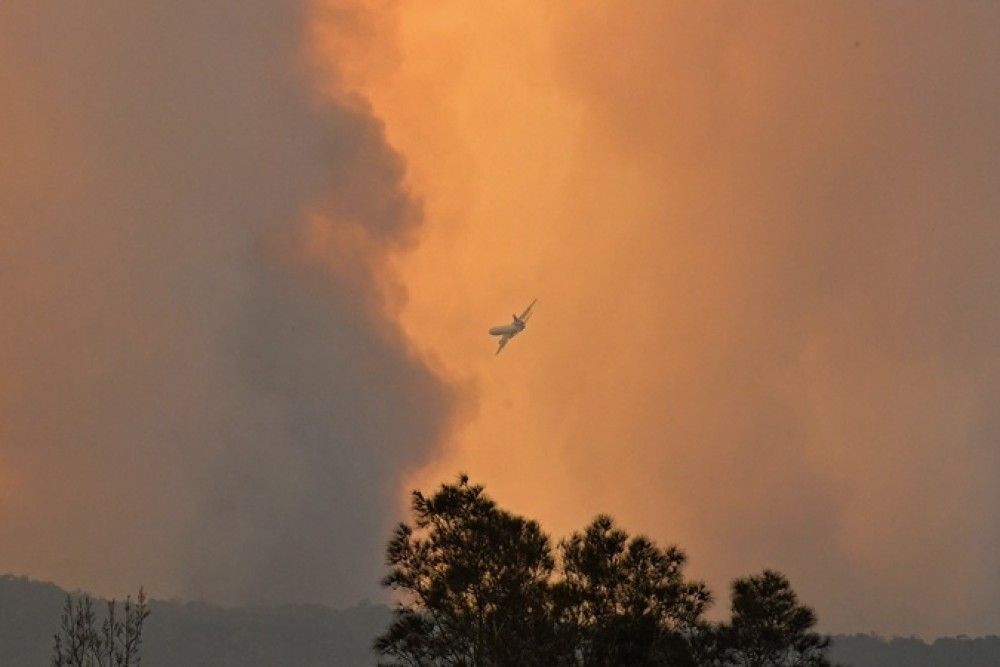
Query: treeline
[483, 586]
[202, 635]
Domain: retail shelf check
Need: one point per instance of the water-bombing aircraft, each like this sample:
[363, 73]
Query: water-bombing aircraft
[508, 331]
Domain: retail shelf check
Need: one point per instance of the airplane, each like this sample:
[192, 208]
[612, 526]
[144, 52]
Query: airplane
[508, 331]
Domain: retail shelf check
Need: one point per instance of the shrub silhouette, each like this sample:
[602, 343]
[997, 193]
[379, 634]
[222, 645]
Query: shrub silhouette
[114, 643]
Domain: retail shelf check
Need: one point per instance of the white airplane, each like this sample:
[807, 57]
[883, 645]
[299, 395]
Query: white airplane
[508, 331]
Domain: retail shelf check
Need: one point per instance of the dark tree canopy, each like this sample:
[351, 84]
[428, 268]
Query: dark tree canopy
[480, 586]
[475, 584]
[769, 628]
[625, 601]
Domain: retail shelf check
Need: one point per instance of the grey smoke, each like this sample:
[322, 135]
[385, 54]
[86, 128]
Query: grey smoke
[201, 390]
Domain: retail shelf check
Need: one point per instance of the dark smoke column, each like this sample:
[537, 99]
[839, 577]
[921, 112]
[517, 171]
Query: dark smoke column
[201, 364]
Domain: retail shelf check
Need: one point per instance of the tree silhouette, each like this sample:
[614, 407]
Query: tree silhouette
[769, 628]
[475, 584]
[116, 643]
[480, 586]
[625, 601]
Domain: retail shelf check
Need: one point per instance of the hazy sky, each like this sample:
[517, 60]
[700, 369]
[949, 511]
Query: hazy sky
[249, 252]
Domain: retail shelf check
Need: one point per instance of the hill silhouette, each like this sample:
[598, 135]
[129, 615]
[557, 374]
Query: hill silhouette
[874, 651]
[197, 634]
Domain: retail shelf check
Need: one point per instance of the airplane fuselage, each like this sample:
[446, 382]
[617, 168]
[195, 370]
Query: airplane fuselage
[507, 329]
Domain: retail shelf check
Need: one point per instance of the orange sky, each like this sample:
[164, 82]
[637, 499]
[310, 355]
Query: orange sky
[244, 307]
[764, 245]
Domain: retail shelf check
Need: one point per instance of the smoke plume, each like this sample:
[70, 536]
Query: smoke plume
[202, 387]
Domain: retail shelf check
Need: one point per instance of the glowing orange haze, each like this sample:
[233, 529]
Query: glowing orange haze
[764, 246]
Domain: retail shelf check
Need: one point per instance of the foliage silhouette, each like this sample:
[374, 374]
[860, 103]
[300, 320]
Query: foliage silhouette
[475, 579]
[115, 644]
[769, 628]
[625, 601]
[480, 586]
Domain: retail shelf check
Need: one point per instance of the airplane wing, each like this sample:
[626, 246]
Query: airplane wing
[527, 311]
[503, 341]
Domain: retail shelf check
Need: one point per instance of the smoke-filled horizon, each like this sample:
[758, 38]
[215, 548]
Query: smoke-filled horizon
[249, 252]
